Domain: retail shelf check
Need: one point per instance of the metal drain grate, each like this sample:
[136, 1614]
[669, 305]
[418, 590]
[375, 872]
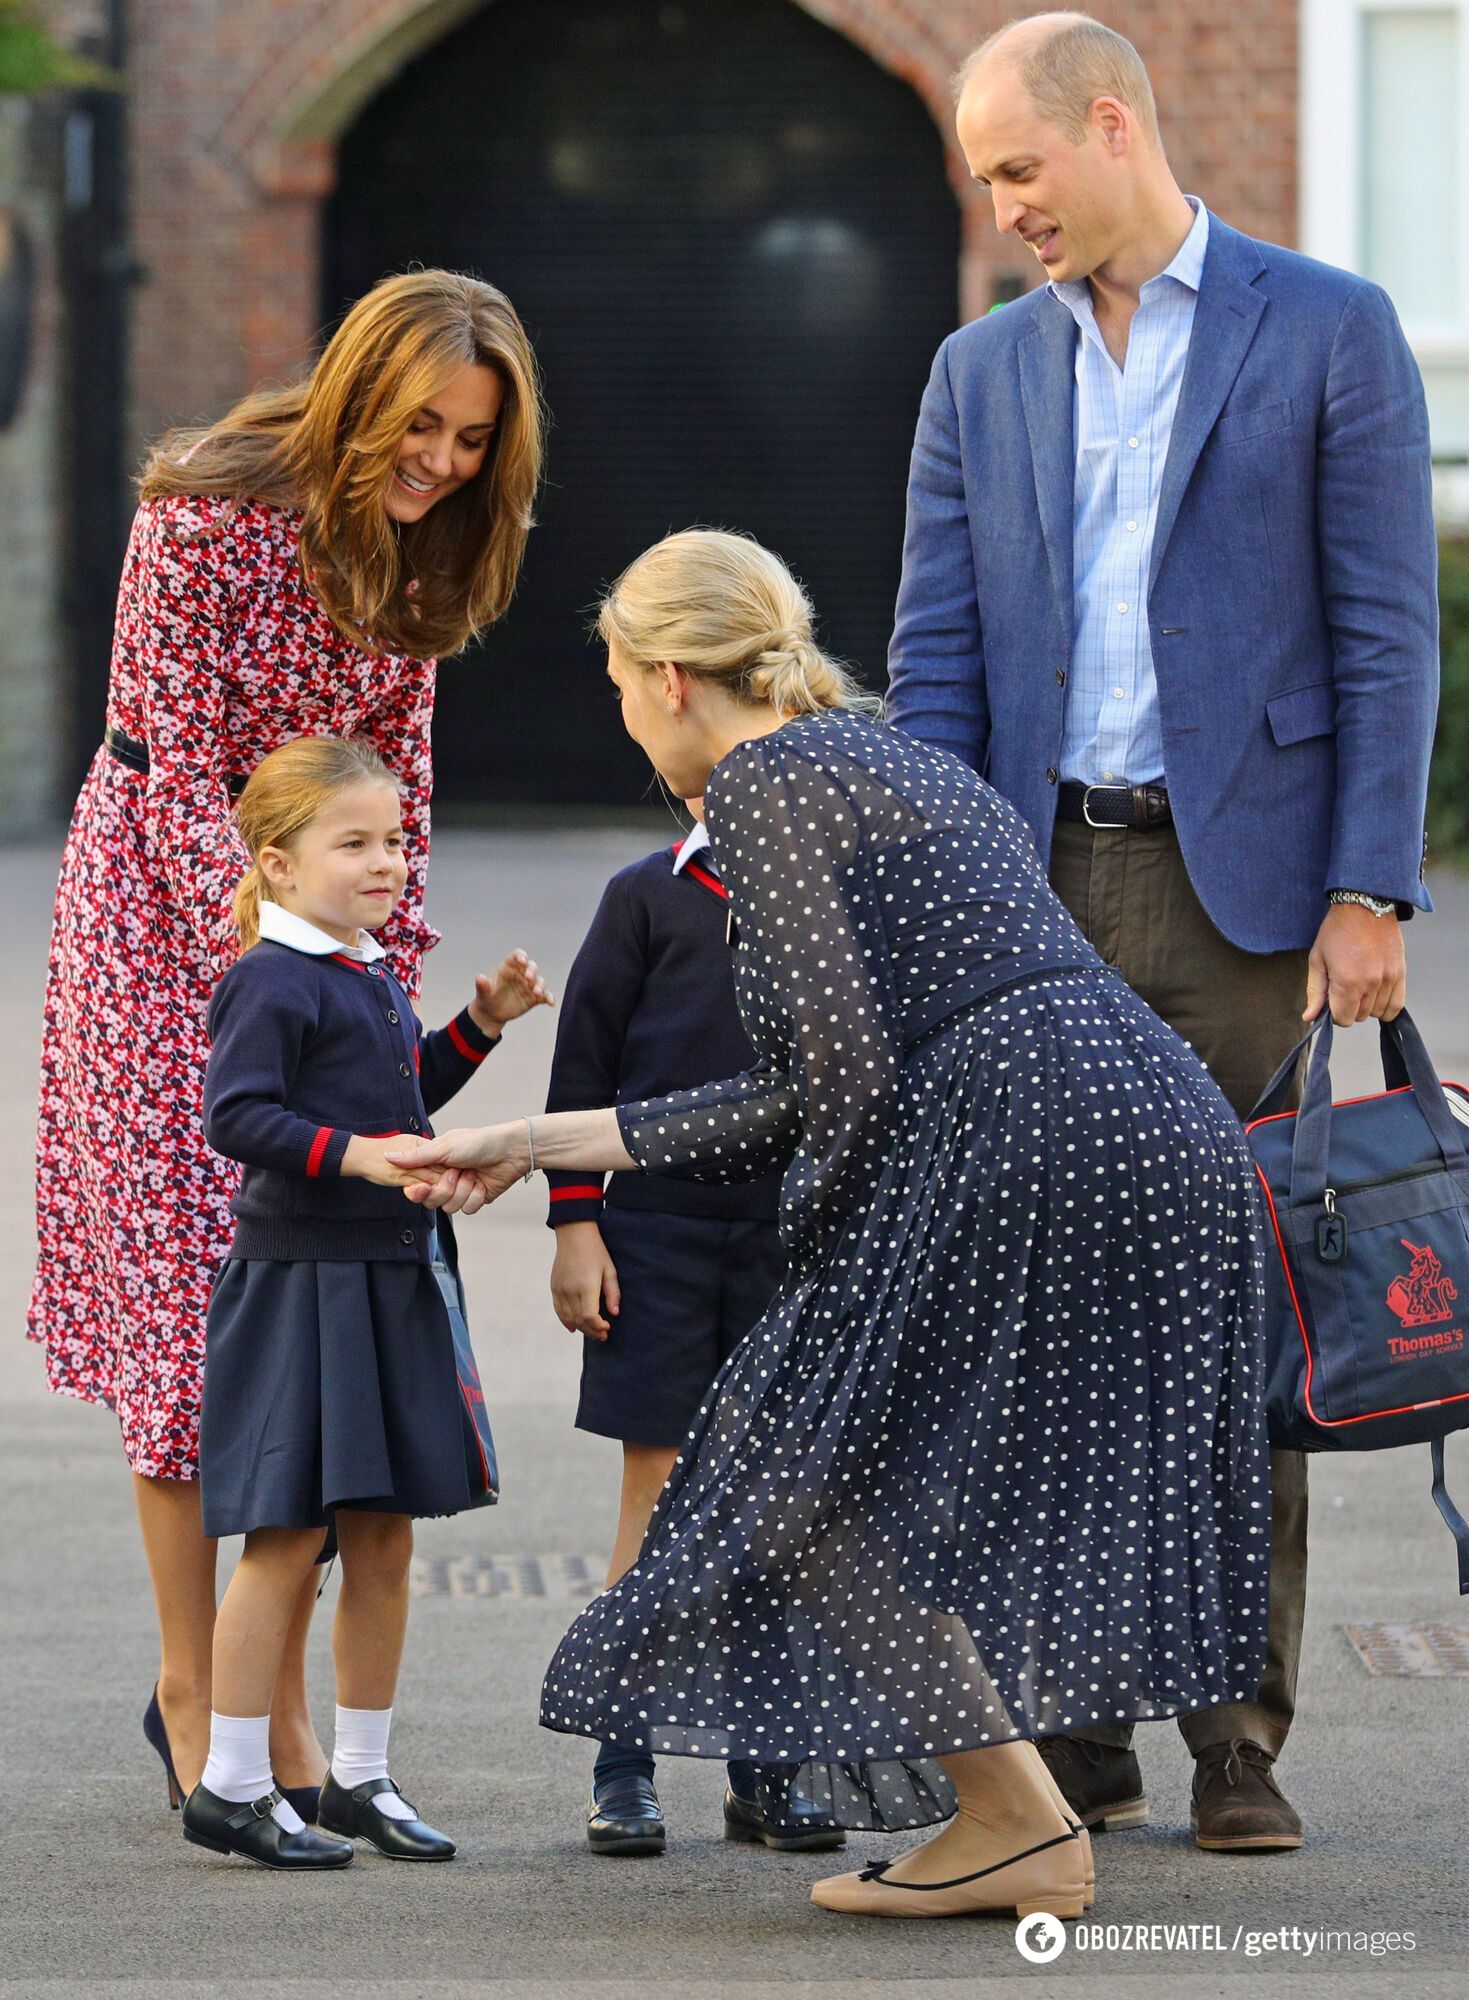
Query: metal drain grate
[572, 1577]
[1432, 1652]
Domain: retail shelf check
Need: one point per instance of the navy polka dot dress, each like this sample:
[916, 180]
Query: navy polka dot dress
[993, 1465]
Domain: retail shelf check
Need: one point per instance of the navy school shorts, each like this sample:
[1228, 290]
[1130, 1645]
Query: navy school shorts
[692, 1287]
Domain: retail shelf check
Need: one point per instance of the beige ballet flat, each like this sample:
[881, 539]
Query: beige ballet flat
[1024, 1884]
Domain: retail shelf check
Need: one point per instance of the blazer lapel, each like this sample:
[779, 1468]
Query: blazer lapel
[1225, 318]
[1047, 357]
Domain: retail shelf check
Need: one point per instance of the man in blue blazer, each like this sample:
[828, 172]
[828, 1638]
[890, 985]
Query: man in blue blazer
[1169, 583]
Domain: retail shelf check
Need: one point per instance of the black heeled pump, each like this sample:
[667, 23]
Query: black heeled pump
[157, 1735]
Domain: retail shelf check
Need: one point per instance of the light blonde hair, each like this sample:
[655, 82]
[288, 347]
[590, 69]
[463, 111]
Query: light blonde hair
[727, 611]
[286, 791]
[1067, 67]
[328, 446]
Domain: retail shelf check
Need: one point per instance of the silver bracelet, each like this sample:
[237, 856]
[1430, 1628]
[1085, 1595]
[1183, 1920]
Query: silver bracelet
[530, 1147]
[1380, 906]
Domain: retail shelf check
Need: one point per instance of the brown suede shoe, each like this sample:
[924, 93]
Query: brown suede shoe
[1102, 1784]
[1237, 1803]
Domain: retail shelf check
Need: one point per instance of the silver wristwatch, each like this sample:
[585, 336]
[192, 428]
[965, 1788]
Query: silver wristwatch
[1380, 906]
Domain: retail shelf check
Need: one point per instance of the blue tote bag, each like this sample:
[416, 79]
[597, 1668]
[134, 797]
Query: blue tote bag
[1367, 1266]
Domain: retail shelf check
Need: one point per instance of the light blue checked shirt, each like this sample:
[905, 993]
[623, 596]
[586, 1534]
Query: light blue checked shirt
[1124, 419]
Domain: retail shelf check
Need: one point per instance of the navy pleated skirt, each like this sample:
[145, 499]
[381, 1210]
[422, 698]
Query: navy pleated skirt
[993, 1465]
[330, 1385]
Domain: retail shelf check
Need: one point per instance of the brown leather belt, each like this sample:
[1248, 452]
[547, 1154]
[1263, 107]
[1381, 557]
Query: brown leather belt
[1142, 807]
[134, 755]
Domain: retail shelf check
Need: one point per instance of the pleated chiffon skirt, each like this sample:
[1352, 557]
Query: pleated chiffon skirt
[330, 1385]
[993, 1465]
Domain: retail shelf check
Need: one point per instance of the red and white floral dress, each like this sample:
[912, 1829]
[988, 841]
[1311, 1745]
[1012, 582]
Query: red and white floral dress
[221, 652]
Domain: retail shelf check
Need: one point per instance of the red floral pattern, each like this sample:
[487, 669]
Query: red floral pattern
[221, 652]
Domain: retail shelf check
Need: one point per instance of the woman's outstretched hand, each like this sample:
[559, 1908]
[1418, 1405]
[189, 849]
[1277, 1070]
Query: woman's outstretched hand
[463, 1171]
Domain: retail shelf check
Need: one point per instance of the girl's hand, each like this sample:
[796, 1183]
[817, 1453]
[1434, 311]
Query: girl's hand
[367, 1160]
[461, 1171]
[507, 994]
[583, 1280]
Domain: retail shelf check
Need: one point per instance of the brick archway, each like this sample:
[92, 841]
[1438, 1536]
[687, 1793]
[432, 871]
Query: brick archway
[236, 113]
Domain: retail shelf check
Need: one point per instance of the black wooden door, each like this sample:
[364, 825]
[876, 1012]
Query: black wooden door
[733, 243]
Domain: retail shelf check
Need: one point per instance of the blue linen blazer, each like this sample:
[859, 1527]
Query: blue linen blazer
[1292, 600]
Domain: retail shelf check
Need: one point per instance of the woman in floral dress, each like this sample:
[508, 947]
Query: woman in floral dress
[295, 569]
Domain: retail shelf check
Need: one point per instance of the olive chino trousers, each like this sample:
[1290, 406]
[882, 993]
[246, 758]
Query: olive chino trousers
[1241, 1011]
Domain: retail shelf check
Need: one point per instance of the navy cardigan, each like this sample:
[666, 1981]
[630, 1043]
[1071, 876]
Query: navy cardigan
[306, 1052]
[650, 1008]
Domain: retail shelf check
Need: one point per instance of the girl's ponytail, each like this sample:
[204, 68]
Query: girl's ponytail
[246, 910]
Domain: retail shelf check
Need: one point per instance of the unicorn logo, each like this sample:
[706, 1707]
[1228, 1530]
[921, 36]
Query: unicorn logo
[1423, 1295]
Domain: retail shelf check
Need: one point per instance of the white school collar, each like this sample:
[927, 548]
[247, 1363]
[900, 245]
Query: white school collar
[696, 843]
[283, 926]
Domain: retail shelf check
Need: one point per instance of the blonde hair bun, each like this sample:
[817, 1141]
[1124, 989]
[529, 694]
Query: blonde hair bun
[727, 610]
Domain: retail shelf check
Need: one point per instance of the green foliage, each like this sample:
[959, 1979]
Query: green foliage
[1448, 786]
[30, 60]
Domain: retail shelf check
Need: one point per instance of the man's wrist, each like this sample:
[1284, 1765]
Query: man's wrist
[1380, 906]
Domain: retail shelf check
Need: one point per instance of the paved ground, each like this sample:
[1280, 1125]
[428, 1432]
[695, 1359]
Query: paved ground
[100, 1896]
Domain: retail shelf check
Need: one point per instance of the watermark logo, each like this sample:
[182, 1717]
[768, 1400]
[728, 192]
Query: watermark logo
[1040, 1938]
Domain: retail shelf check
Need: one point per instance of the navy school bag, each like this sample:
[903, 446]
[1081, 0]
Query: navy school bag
[1367, 1258]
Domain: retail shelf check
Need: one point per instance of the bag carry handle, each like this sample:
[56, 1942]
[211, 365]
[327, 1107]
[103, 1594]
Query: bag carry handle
[1457, 1526]
[1405, 1061]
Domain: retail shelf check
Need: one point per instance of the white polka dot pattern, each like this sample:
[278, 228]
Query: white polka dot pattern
[993, 1463]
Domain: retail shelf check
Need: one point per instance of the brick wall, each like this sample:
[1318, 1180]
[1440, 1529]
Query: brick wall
[236, 108]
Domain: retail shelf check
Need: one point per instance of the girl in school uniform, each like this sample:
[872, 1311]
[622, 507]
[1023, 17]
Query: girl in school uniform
[663, 1277]
[332, 1395]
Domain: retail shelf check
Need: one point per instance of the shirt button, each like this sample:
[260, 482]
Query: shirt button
[1050, 774]
[403, 1070]
[407, 1236]
[1117, 694]
[1107, 776]
[393, 1016]
[1122, 607]
[1132, 527]
[1132, 444]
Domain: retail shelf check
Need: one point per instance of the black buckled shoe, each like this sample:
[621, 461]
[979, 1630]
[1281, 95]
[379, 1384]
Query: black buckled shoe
[1101, 1783]
[252, 1830]
[625, 1816]
[354, 1816]
[780, 1817]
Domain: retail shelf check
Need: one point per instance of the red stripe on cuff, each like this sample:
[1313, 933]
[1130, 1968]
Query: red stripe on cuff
[469, 1054]
[576, 1194]
[318, 1152]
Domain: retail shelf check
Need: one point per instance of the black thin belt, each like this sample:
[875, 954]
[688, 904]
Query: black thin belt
[1142, 807]
[129, 751]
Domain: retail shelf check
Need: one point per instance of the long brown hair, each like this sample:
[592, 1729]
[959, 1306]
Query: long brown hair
[328, 445]
[285, 793]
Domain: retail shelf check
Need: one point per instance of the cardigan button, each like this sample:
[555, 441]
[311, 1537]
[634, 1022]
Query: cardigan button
[403, 1070]
[408, 1236]
[393, 1016]
[414, 1126]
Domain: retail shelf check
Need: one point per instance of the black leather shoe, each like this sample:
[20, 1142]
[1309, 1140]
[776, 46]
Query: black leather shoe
[1101, 1783]
[625, 1817]
[779, 1817]
[354, 1815]
[251, 1830]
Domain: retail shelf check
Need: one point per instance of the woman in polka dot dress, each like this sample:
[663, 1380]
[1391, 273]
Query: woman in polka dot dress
[388, 494]
[993, 1464]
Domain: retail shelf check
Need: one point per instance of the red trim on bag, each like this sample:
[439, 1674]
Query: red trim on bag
[456, 1036]
[318, 1152]
[576, 1194]
[1368, 1416]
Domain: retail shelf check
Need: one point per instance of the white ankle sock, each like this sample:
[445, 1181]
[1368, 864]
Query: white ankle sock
[360, 1754]
[239, 1765]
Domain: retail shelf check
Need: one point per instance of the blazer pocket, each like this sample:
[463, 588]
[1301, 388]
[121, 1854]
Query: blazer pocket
[1302, 712]
[1237, 425]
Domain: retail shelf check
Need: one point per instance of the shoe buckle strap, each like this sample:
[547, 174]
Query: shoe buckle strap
[364, 1794]
[260, 1808]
